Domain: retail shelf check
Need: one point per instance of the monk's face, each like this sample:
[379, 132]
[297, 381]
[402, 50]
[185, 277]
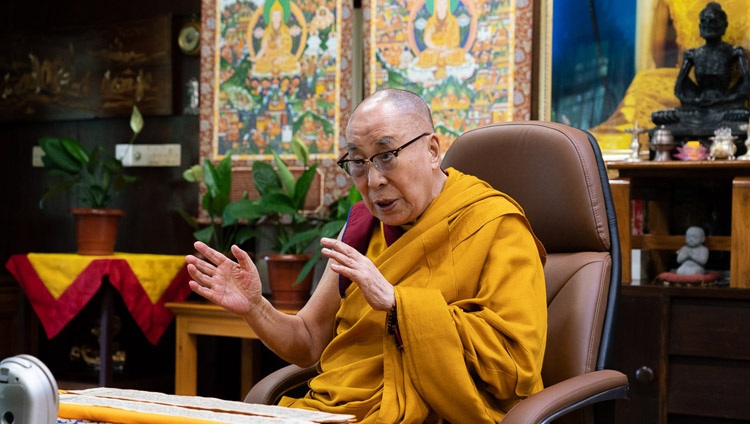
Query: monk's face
[276, 18]
[401, 195]
[441, 7]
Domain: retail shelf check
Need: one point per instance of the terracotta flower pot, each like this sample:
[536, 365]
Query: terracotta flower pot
[282, 273]
[96, 230]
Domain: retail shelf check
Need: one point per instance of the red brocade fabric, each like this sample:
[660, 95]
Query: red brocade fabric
[145, 282]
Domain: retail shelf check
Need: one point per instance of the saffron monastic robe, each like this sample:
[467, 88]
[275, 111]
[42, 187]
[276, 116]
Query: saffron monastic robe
[470, 294]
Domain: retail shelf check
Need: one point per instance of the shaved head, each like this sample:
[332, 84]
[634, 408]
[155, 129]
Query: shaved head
[402, 102]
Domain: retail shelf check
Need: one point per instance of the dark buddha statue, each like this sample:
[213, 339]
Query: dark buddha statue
[718, 97]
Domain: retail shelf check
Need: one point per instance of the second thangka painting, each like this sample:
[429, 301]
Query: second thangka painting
[462, 56]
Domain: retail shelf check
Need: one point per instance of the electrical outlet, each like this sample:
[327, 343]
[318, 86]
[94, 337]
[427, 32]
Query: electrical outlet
[149, 154]
[36, 157]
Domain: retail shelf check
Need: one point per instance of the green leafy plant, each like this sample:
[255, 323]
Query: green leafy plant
[282, 202]
[335, 220]
[99, 177]
[220, 233]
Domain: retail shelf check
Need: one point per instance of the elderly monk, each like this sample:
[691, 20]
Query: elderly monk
[432, 307]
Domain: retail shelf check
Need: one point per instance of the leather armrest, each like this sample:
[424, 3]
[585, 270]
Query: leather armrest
[571, 394]
[551, 403]
[271, 388]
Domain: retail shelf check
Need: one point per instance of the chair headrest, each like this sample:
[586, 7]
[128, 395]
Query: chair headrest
[551, 169]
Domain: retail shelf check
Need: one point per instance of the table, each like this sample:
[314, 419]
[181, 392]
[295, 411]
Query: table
[111, 405]
[736, 173]
[206, 319]
[60, 285]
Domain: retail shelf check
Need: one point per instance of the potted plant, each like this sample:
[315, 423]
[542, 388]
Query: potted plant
[218, 233]
[98, 178]
[282, 204]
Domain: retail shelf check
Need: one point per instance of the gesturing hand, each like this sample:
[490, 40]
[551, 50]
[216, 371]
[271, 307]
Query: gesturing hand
[235, 286]
[347, 261]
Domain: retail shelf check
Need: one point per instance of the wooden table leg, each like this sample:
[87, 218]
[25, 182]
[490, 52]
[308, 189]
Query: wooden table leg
[186, 360]
[250, 365]
[105, 334]
[739, 269]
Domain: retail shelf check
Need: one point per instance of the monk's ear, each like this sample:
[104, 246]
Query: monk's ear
[434, 149]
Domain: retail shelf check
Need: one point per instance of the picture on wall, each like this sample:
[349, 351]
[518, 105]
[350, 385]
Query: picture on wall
[272, 71]
[469, 59]
[616, 62]
[86, 72]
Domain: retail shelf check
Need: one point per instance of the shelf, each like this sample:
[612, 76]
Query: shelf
[722, 184]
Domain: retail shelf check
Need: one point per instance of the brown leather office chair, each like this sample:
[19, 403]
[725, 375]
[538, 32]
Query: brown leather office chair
[558, 176]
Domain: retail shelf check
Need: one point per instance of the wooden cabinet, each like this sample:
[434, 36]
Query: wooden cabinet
[715, 194]
[686, 352]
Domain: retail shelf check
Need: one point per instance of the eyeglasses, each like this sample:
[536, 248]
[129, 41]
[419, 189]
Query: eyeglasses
[383, 162]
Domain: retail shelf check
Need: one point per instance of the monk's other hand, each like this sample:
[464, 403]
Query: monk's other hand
[347, 261]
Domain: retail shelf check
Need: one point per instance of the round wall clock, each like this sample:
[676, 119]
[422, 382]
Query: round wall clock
[189, 38]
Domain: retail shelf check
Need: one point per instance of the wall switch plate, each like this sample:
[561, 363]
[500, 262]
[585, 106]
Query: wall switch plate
[36, 157]
[149, 154]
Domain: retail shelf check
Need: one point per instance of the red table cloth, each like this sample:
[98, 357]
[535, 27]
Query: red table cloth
[59, 285]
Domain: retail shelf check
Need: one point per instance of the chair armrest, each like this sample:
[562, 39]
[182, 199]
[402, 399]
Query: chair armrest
[272, 387]
[571, 394]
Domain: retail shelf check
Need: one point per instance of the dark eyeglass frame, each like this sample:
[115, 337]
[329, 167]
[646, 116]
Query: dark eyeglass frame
[344, 162]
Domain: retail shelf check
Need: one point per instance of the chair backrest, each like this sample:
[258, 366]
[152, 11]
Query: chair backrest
[557, 175]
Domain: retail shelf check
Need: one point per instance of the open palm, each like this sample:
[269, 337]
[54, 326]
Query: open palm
[235, 286]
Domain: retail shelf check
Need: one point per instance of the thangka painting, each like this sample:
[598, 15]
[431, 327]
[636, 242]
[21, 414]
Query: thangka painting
[273, 70]
[469, 59]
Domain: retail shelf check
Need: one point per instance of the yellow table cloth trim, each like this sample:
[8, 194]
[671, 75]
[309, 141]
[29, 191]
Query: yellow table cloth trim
[152, 271]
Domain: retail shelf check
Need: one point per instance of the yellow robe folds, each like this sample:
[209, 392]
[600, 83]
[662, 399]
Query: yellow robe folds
[446, 36]
[472, 313]
[278, 57]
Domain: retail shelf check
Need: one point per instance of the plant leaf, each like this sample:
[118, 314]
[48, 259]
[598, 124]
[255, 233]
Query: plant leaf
[193, 174]
[210, 177]
[277, 203]
[241, 209]
[224, 176]
[286, 176]
[56, 156]
[298, 242]
[309, 266]
[303, 186]
[55, 190]
[333, 228]
[94, 159]
[244, 234]
[205, 234]
[354, 195]
[300, 150]
[265, 178]
[216, 204]
[75, 150]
